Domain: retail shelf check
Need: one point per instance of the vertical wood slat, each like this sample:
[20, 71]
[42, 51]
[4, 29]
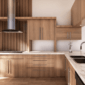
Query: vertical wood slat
[12, 41]
[0, 36]
[0, 8]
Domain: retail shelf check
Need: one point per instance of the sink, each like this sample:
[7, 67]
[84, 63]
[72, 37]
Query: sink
[78, 57]
[79, 60]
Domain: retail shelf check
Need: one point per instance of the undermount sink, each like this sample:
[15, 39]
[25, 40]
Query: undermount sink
[79, 60]
[78, 57]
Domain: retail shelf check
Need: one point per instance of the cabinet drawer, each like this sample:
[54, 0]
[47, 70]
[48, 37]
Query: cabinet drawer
[40, 72]
[42, 56]
[40, 63]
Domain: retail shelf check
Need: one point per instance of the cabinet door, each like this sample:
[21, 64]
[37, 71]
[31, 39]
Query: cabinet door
[76, 36]
[35, 29]
[3, 67]
[47, 29]
[60, 66]
[63, 36]
[16, 67]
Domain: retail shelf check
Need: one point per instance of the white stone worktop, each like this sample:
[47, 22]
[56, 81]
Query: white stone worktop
[79, 68]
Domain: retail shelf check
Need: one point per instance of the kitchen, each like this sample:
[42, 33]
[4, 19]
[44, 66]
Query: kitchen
[42, 44]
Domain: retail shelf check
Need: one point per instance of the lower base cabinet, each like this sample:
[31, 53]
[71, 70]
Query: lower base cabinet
[41, 66]
[70, 74]
[11, 66]
[46, 66]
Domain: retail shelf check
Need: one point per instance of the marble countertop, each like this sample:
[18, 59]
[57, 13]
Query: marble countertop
[32, 53]
[79, 68]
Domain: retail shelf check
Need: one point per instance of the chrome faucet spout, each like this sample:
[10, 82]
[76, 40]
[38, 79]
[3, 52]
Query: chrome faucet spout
[81, 45]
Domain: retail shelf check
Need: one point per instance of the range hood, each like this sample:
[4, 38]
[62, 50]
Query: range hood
[11, 18]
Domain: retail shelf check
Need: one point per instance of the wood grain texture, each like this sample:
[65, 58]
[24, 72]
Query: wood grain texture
[14, 41]
[68, 33]
[70, 74]
[60, 65]
[78, 13]
[33, 81]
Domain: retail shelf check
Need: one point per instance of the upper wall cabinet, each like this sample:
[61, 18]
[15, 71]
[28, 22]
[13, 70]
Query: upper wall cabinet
[78, 13]
[68, 33]
[41, 29]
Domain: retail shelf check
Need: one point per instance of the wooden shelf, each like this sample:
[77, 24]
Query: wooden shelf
[26, 18]
[62, 26]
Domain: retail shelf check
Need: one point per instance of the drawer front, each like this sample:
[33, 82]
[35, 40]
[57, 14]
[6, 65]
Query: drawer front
[40, 72]
[40, 63]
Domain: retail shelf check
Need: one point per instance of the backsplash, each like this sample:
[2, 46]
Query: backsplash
[62, 10]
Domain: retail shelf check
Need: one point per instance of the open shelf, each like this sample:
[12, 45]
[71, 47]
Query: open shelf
[26, 18]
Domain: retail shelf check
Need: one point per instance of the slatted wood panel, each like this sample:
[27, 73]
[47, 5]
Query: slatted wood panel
[14, 41]
[22, 8]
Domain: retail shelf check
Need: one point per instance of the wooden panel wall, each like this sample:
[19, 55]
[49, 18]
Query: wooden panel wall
[10, 41]
[22, 8]
[14, 41]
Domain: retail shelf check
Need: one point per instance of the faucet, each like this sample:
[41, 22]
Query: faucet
[70, 45]
[81, 45]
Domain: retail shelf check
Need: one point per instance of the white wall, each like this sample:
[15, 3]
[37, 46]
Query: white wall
[61, 9]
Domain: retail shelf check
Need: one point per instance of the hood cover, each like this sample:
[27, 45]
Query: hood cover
[11, 18]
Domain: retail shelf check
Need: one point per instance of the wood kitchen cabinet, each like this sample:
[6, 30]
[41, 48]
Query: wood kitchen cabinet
[41, 29]
[78, 13]
[3, 67]
[60, 66]
[70, 74]
[68, 33]
[35, 29]
[40, 66]
[10, 66]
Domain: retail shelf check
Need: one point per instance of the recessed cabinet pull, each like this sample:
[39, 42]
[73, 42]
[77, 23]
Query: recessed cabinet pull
[68, 76]
[70, 35]
[65, 64]
[8, 66]
[39, 60]
[39, 56]
[40, 64]
[40, 34]
[67, 35]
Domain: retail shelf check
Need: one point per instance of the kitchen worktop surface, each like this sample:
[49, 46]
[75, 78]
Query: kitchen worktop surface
[79, 68]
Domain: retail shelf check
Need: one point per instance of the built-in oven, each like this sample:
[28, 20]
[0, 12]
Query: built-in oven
[78, 80]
